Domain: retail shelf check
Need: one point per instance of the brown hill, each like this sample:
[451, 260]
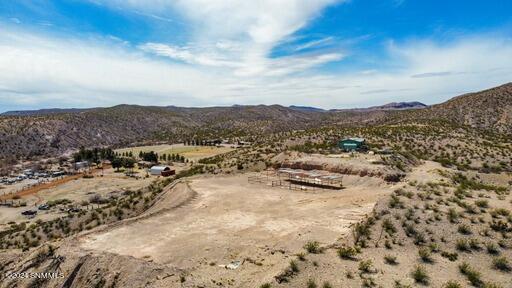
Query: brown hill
[28, 136]
[51, 134]
[489, 110]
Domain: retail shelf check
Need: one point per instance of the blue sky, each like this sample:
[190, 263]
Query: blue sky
[325, 53]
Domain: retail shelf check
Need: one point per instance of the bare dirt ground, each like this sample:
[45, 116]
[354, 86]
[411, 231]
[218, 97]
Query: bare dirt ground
[330, 268]
[225, 219]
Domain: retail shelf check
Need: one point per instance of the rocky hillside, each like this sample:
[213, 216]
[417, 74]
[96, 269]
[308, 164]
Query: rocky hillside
[35, 134]
[489, 109]
[29, 136]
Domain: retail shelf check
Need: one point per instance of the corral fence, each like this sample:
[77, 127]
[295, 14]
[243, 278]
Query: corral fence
[258, 179]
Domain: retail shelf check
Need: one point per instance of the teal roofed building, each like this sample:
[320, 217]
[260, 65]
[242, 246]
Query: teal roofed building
[352, 144]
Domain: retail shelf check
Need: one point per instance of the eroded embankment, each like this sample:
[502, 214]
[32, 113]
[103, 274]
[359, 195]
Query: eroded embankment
[196, 228]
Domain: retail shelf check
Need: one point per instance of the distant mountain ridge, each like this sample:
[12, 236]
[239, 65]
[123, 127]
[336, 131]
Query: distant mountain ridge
[389, 106]
[47, 111]
[399, 106]
[306, 108]
[37, 134]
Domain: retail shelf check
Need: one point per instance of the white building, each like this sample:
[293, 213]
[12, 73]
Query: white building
[161, 171]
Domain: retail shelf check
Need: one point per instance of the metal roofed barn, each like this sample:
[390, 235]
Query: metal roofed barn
[352, 144]
[161, 171]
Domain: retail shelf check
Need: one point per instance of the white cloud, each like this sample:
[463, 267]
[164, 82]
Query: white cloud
[236, 33]
[227, 62]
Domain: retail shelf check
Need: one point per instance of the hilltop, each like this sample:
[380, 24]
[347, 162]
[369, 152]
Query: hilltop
[54, 131]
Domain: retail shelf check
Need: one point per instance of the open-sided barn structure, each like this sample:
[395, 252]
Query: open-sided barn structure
[315, 178]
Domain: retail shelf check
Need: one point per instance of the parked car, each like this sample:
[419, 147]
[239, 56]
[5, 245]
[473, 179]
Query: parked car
[29, 212]
[43, 207]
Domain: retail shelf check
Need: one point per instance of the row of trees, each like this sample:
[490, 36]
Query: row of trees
[94, 155]
[173, 157]
[123, 159]
[151, 156]
[124, 162]
[201, 142]
[125, 154]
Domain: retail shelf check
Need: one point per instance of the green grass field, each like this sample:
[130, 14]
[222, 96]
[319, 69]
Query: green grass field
[189, 152]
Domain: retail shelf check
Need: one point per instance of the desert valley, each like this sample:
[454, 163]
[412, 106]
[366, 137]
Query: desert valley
[259, 196]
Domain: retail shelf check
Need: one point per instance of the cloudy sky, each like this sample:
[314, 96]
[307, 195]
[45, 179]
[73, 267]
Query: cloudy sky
[324, 53]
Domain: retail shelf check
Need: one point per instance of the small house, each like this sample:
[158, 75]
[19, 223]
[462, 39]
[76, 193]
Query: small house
[352, 144]
[162, 171]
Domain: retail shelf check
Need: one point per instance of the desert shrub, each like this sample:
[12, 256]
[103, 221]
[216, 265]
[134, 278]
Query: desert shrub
[474, 244]
[266, 285]
[462, 245]
[449, 255]
[368, 283]
[326, 285]
[473, 276]
[501, 263]
[388, 226]
[361, 231]
[464, 229]
[500, 212]
[311, 283]
[425, 254]
[420, 275]
[452, 284]
[492, 285]
[347, 252]
[293, 266]
[434, 247]
[97, 199]
[366, 266]
[313, 247]
[482, 203]
[398, 284]
[492, 248]
[395, 202]
[453, 215]
[391, 260]
[301, 256]
[500, 226]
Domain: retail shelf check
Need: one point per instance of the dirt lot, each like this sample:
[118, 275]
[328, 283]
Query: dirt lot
[193, 153]
[75, 190]
[225, 219]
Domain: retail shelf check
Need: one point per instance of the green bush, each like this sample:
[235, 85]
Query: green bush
[312, 283]
[366, 266]
[293, 266]
[464, 229]
[425, 254]
[452, 284]
[462, 245]
[492, 248]
[473, 276]
[313, 247]
[347, 252]
[501, 263]
[420, 275]
[391, 260]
